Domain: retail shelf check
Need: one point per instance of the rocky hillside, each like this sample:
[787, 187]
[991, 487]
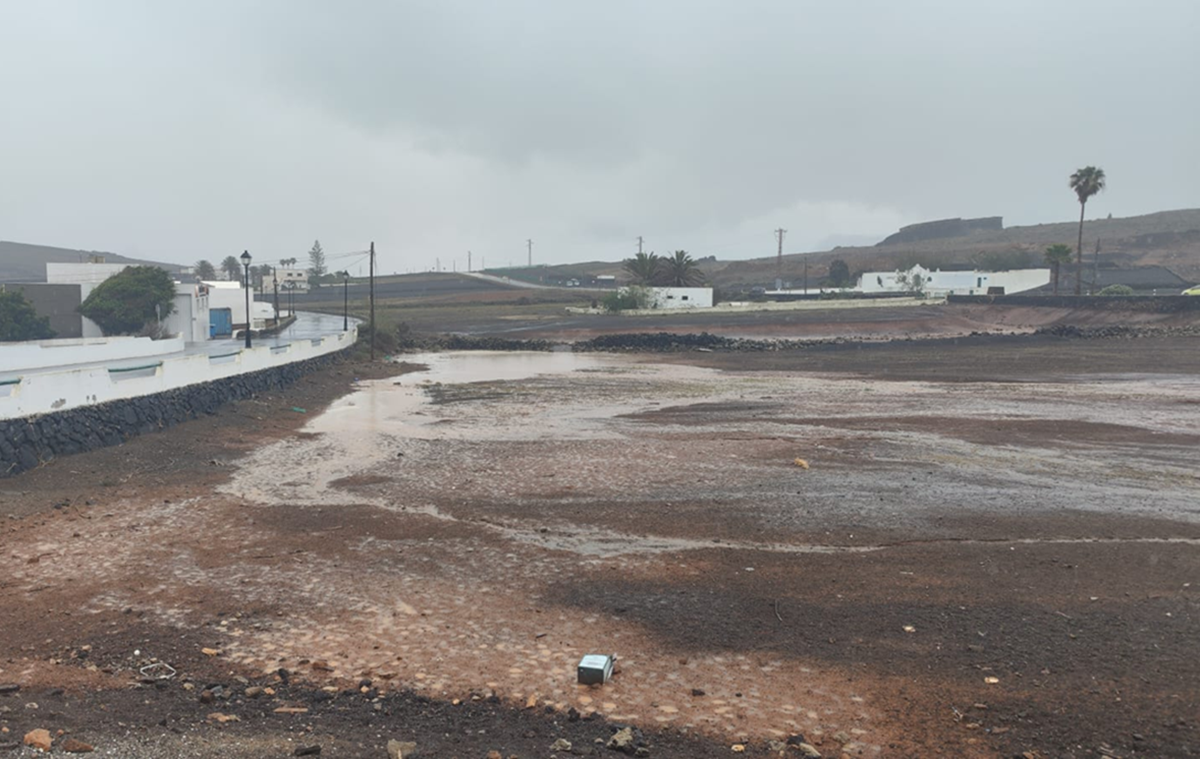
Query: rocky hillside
[21, 262]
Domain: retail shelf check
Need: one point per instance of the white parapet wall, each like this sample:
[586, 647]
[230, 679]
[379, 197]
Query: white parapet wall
[45, 392]
[44, 354]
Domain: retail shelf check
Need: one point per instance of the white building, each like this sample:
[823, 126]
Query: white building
[298, 279]
[937, 282]
[231, 296]
[676, 297]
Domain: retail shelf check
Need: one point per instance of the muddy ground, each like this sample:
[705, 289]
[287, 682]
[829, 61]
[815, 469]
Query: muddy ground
[912, 549]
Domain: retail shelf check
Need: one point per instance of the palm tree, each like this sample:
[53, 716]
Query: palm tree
[232, 268]
[1057, 255]
[205, 270]
[1086, 182]
[644, 268]
[680, 270]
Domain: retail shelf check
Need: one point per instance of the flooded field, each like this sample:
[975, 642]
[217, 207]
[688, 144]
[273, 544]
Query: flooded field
[879, 566]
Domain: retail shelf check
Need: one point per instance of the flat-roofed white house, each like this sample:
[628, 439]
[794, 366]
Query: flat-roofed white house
[937, 282]
[287, 277]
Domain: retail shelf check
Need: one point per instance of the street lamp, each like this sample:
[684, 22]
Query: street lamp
[345, 301]
[246, 263]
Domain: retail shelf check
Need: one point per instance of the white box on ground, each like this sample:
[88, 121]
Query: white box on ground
[596, 668]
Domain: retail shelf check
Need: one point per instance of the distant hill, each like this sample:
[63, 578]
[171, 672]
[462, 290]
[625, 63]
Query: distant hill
[1169, 239]
[21, 262]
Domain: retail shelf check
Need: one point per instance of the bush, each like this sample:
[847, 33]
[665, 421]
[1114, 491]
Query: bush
[628, 298]
[1116, 290]
[126, 301]
[18, 320]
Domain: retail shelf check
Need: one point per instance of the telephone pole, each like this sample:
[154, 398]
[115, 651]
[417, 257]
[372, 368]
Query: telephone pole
[468, 260]
[639, 245]
[779, 233]
[529, 245]
[372, 270]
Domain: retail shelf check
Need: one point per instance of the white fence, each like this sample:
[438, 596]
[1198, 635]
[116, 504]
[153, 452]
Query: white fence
[57, 391]
[39, 354]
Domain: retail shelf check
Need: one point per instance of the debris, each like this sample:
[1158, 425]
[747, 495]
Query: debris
[494, 754]
[73, 746]
[39, 739]
[991, 680]
[210, 651]
[808, 751]
[254, 691]
[291, 710]
[801, 463]
[909, 629]
[401, 749]
[562, 744]
[531, 701]
[595, 669]
[223, 718]
[299, 410]
[7, 688]
[307, 751]
[159, 670]
[738, 748]
[776, 747]
[697, 692]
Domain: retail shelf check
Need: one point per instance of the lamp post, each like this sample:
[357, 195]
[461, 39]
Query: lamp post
[246, 263]
[345, 301]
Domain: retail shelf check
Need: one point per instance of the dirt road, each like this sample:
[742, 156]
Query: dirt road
[885, 563]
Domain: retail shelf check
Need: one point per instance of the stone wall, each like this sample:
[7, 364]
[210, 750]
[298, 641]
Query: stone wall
[27, 443]
[1154, 304]
[943, 228]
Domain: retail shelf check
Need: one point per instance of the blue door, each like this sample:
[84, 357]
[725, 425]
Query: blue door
[220, 322]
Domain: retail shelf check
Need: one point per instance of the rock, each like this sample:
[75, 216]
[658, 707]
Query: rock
[622, 741]
[697, 692]
[206, 696]
[254, 691]
[776, 746]
[210, 651]
[841, 737]
[562, 744]
[642, 751]
[808, 750]
[73, 746]
[307, 751]
[494, 755]
[7, 688]
[401, 749]
[223, 718]
[39, 739]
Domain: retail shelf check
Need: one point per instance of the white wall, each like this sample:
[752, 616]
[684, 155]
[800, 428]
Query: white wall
[40, 354]
[81, 274]
[957, 282]
[682, 297]
[58, 391]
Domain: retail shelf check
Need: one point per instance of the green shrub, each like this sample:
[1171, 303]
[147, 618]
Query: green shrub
[628, 298]
[126, 301]
[1116, 290]
[18, 320]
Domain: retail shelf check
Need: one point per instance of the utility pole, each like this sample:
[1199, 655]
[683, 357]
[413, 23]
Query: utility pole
[437, 264]
[275, 283]
[372, 270]
[1095, 269]
[468, 260]
[779, 233]
[529, 245]
[639, 245]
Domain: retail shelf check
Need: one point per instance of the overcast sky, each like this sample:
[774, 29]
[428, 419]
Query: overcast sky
[186, 130]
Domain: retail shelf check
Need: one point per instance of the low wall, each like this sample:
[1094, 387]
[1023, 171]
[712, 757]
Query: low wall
[29, 442]
[1154, 304]
[41, 354]
[59, 391]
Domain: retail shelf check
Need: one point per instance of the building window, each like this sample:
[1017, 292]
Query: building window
[684, 297]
